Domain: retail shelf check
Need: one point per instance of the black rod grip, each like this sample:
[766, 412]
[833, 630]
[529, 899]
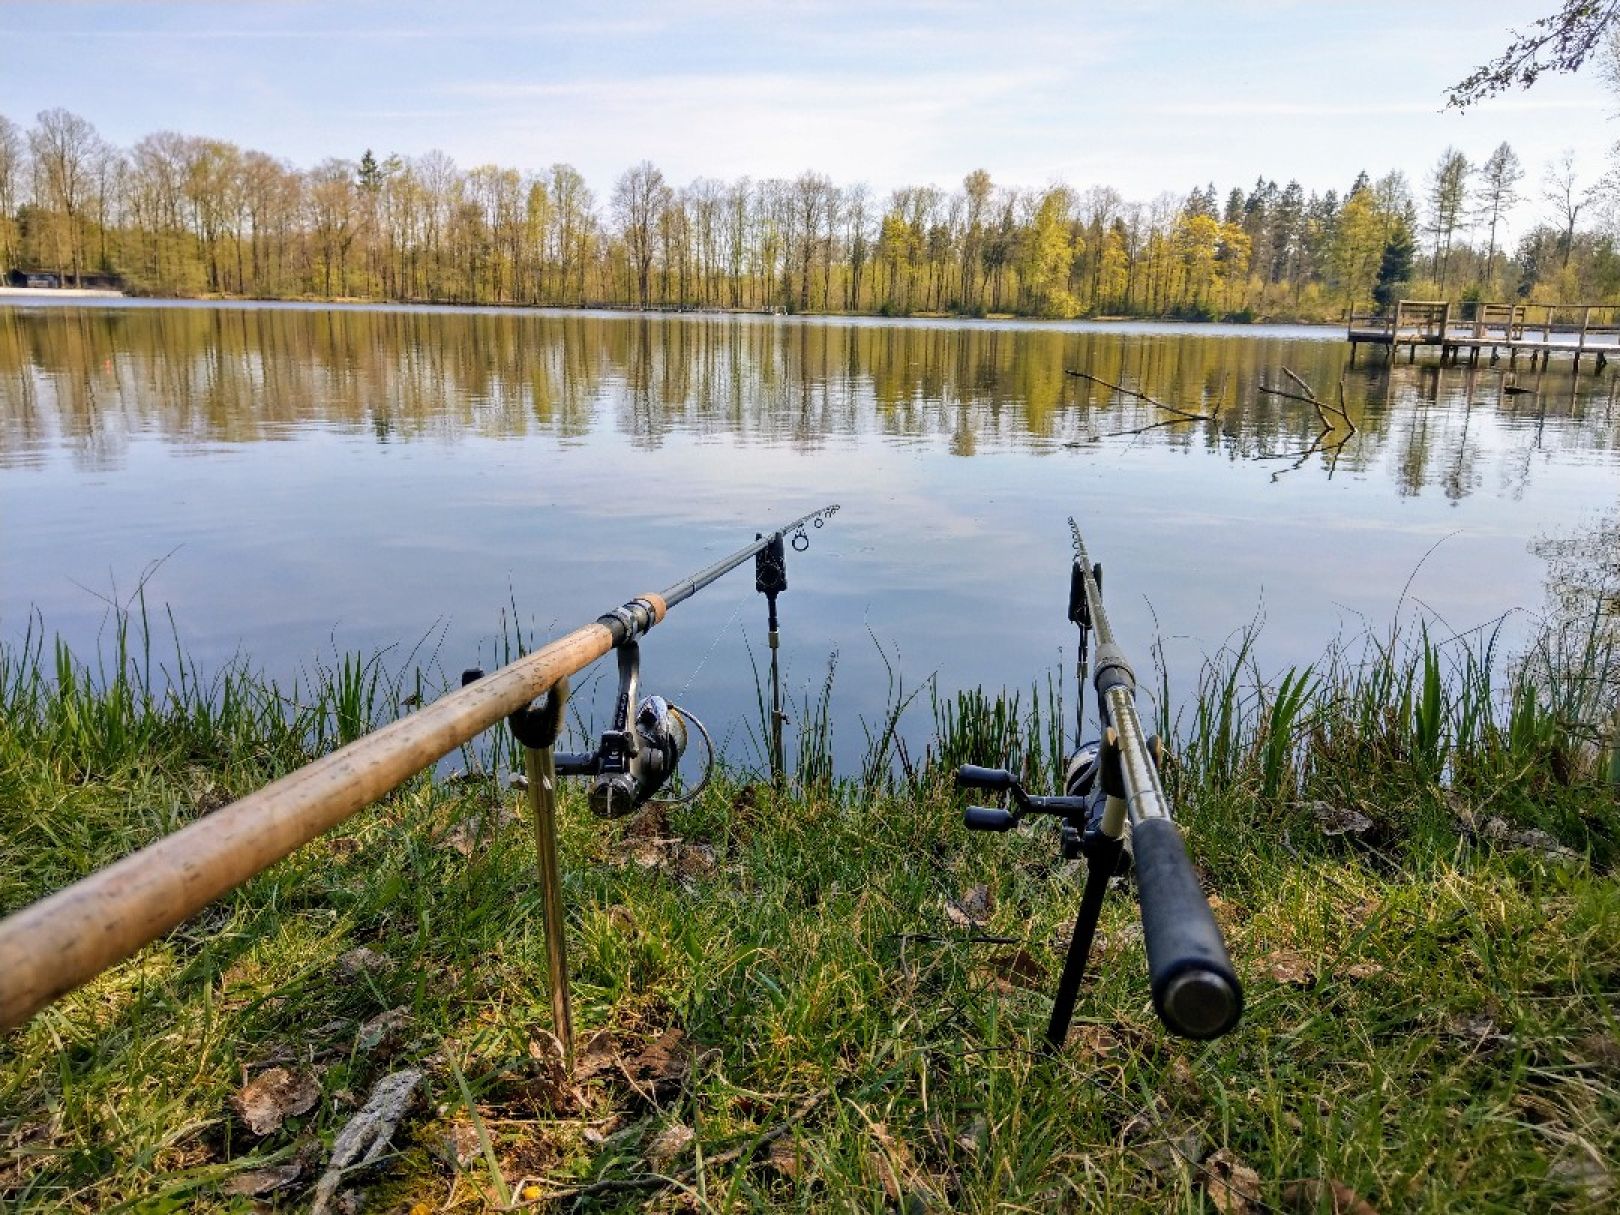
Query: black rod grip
[988, 818]
[996, 780]
[1195, 990]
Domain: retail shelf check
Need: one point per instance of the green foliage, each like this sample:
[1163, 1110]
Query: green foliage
[189, 216]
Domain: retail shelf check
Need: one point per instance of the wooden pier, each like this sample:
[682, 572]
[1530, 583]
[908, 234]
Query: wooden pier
[1536, 331]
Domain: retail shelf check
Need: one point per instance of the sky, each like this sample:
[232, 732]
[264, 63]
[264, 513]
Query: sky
[1145, 96]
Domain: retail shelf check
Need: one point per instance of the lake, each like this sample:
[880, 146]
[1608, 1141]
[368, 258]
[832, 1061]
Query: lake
[299, 481]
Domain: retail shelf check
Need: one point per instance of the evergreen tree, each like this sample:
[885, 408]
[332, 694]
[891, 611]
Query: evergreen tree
[1395, 267]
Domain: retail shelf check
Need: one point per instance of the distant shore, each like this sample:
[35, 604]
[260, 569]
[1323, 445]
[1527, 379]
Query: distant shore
[72, 293]
[56, 293]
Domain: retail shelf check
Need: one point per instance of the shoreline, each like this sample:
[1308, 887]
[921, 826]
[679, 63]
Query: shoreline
[45, 297]
[73, 293]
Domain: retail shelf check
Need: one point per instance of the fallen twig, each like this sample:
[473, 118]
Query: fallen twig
[366, 1136]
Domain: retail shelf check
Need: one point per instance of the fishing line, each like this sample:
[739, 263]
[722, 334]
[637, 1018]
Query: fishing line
[713, 645]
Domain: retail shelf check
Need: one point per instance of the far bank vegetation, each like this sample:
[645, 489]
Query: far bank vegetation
[179, 215]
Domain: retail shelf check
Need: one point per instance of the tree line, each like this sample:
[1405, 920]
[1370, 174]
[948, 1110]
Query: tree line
[179, 215]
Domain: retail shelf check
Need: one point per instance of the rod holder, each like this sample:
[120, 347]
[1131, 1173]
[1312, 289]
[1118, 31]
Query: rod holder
[539, 736]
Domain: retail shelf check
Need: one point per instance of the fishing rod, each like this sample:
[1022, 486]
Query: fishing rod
[1112, 785]
[65, 939]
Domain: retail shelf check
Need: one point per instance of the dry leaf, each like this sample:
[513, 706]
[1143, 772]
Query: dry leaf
[1315, 1195]
[1168, 1156]
[694, 860]
[1227, 913]
[649, 854]
[384, 1031]
[1017, 968]
[461, 1143]
[897, 1169]
[1363, 970]
[662, 1065]
[548, 1064]
[1600, 1048]
[1340, 820]
[975, 1138]
[361, 961]
[463, 837]
[253, 1182]
[1478, 1029]
[272, 1097]
[1095, 1042]
[1182, 1073]
[599, 1133]
[599, 1054]
[886, 1176]
[669, 1144]
[785, 1157]
[651, 822]
[1288, 966]
[1233, 1187]
[973, 909]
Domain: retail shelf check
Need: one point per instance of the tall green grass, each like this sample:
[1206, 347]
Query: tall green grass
[1441, 1035]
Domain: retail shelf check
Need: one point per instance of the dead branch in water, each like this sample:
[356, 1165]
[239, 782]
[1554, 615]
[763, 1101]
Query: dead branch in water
[1320, 443]
[1182, 415]
[1310, 398]
[1185, 415]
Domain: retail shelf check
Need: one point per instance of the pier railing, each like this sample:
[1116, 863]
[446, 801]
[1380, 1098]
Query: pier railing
[1537, 329]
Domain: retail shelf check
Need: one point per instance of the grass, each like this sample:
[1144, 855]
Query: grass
[775, 1007]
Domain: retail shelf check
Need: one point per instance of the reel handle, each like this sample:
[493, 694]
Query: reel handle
[993, 780]
[988, 818]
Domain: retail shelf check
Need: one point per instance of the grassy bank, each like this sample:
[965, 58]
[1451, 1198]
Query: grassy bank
[830, 997]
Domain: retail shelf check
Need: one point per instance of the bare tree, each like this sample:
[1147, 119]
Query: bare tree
[65, 148]
[1448, 194]
[1496, 195]
[334, 205]
[857, 240]
[1560, 191]
[13, 153]
[812, 197]
[638, 198]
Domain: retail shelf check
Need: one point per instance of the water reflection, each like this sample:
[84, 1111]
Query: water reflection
[91, 378]
[352, 478]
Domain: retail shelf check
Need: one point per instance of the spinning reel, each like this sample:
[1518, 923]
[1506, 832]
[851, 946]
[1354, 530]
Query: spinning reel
[635, 757]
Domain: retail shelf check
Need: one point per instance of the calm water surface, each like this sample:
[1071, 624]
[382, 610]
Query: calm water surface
[313, 479]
